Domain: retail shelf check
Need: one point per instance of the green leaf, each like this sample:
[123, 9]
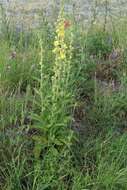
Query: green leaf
[41, 139]
[39, 127]
[57, 142]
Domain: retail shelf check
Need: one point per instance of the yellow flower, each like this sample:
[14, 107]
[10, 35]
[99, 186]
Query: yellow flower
[60, 30]
[62, 54]
[56, 43]
[60, 46]
[61, 33]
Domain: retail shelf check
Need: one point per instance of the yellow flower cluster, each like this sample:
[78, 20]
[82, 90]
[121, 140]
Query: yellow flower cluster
[63, 55]
[59, 43]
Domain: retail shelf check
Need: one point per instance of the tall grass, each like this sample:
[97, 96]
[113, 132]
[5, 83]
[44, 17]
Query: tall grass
[63, 106]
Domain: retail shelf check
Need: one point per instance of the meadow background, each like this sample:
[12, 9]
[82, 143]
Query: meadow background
[63, 95]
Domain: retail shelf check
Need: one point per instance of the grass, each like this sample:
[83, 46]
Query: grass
[63, 106]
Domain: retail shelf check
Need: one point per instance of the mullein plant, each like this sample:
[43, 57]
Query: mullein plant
[56, 93]
[62, 93]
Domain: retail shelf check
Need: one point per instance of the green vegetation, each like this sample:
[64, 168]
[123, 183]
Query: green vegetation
[63, 106]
